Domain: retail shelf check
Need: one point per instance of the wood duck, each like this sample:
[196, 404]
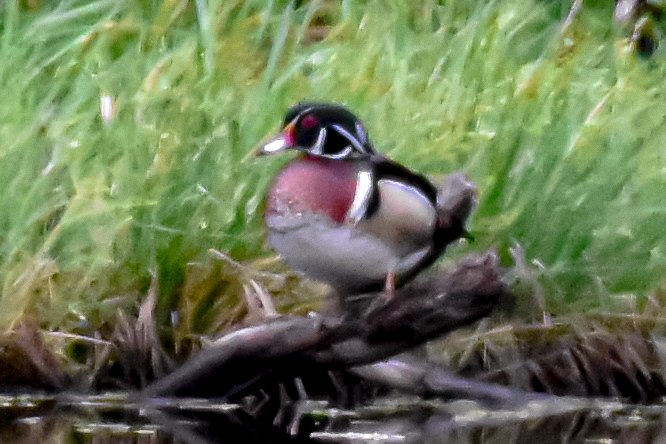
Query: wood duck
[343, 214]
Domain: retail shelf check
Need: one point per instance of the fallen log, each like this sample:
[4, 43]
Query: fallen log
[291, 346]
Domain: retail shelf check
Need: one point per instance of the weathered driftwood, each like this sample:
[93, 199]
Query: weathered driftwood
[290, 346]
[410, 374]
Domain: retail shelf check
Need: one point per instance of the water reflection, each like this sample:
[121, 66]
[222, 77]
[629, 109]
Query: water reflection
[111, 419]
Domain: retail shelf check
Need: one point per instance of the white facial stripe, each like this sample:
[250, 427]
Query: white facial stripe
[353, 140]
[360, 132]
[342, 154]
[318, 147]
[361, 197]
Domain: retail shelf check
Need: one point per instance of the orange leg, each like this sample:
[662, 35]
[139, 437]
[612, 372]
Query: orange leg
[389, 287]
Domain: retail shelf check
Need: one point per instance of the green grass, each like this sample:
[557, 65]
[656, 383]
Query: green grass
[562, 128]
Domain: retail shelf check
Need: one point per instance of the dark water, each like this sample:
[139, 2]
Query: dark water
[111, 419]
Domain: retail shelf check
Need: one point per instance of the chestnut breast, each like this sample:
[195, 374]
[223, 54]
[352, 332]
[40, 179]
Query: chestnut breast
[313, 185]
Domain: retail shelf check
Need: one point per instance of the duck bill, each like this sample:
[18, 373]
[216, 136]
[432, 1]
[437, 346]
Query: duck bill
[282, 142]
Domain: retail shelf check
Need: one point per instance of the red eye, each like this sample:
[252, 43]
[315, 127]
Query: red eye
[309, 122]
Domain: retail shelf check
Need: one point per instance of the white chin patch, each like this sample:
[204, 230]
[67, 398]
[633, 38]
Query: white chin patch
[274, 146]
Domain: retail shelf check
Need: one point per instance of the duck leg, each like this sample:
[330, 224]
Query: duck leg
[389, 287]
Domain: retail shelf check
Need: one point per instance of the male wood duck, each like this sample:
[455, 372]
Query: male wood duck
[343, 214]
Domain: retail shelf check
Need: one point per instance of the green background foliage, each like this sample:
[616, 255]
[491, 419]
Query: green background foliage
[559, 123]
